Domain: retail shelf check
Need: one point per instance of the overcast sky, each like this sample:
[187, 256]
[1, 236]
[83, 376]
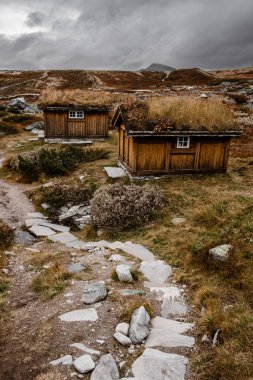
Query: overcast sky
[125, 34]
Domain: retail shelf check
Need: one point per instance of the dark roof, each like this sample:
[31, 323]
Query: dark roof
[62, 108]
[135, 117]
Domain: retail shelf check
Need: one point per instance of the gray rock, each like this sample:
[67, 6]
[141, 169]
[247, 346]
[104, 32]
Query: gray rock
[77, 244]
[124, 273]
[64, 360]
[157, 365]
[177, 221]
[139, 325]
[23, 238]
[122, 339]
[172, 300]
[221, 252]
[106, 369]
[94, 292]
[55, 227]
[17, 104]
[37, 125]
[41, 231]
[116, 257]
[76, 267]
[167, 333]
[122, 328]
[84, 364]
[80, 315]
[34, 215]
[114, 172]
[85, 349]
[131, 292]
[62, 237]
[156, 271]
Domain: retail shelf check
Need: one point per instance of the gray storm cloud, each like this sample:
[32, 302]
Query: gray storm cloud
[129, 34]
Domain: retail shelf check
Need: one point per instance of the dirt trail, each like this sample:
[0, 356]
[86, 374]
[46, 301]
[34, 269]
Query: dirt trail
[14, 204]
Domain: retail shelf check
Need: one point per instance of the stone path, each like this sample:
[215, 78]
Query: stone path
[167, 330]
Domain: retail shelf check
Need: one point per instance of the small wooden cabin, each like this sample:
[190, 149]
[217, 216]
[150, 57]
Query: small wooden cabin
[146, 147]
[70, 122]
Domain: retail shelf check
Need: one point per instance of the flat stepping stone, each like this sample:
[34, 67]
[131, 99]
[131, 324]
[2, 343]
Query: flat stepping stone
[62, 237]
[114, 172]
[157, 365]
[131, 292]
[167, 333]
[77, 244]
[64, 360]
[43, 222]
[76, 267]
[80, 315]
[41, 231]
[156, 271]
[172, 301]
[33, 215]
[136, 250]
[85, 349]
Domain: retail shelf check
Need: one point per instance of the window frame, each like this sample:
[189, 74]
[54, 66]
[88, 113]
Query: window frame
[180, 144]
[76, 116]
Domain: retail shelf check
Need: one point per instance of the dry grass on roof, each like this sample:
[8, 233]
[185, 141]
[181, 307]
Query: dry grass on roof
[192, 113]
[52, 97]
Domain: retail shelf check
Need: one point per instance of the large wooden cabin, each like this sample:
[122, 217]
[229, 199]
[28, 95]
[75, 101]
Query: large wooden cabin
[149, 148]
[70, 122]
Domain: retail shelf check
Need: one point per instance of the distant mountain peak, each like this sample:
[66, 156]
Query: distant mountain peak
[159, 67]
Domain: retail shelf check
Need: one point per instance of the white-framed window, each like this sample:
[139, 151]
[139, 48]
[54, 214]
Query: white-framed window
[76, 114]
[183, 142]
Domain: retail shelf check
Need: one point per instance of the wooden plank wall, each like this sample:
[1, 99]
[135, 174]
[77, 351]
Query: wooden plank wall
[59, 125]
[159, 155]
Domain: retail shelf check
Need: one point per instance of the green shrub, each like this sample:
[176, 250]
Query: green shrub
[3, 113]
[18, 119]
[6, 235]
[60, 195]
[29, 169]
[7, 129]
[125, 206]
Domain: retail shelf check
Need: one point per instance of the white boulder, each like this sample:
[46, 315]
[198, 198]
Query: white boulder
[139, 325]
[122, 339]
[106, 369]
[94, 292]
[124, 273]
[122, 328]
[84, 364]
[221, 252]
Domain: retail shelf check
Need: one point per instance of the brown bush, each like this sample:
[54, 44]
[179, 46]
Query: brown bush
[125, 206]
[6, 234]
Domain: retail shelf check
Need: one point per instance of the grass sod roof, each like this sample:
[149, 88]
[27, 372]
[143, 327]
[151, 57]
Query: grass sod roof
[51, 98]
[170, 115]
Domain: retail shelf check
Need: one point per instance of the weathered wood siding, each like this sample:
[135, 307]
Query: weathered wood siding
[58, 124]
[143, 156]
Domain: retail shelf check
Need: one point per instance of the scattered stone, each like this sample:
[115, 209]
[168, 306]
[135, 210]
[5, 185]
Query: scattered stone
[157, 365]
[64, 360]
[177, 221]
[23, 238]
[106, 369]
[114, 172]
[85, 349]
[5, 270]
[76, 267]
[167, 333]
[122, 328]
[156, 271]
[17, 104]
[34, 215]
[139, 325]
[124, 273]
[131, 292]
[116, 257]
[205, 339]
[94, 292]
[84, 364]
[100, 341]
[41, 231]
[172, 301]
[62, 237]
[80, 315]
[221, 252]
[122, 339]
[39, 125]
[45, 206]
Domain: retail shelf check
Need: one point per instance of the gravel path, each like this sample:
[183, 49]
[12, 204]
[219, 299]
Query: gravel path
[14, 204]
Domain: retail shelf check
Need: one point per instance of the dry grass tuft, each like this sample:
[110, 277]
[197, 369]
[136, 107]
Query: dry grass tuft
[192, 112]
[75, 97]
[52, 375]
